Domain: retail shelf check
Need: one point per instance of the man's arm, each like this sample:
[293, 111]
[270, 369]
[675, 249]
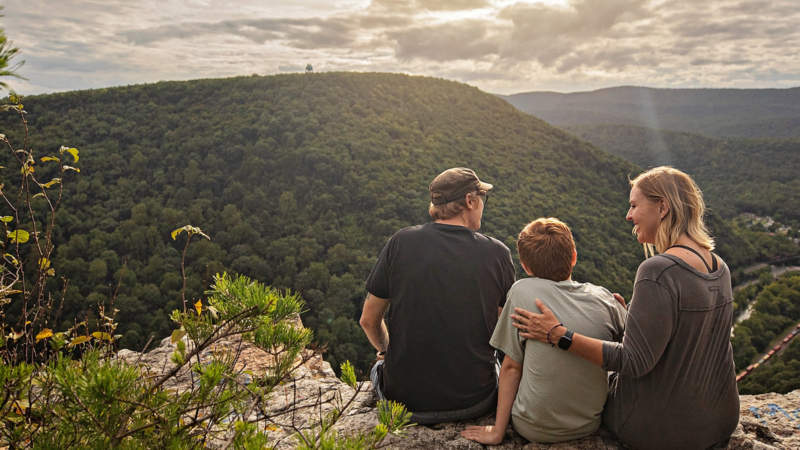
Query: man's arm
[510, 374]
[372, 322]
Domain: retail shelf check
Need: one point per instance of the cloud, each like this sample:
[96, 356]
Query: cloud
[299, 33]
[503, 46]
[547, 33]
[467, 39]
[410, 6]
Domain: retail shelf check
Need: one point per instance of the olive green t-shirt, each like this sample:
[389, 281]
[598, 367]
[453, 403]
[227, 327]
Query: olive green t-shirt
[560, 395]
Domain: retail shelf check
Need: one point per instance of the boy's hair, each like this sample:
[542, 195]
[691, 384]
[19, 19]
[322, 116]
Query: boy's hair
[546, 247]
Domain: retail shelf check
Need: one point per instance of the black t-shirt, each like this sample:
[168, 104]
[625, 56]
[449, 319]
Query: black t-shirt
[444, 284]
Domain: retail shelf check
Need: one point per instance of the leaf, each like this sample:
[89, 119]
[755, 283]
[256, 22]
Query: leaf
[50, 272]
[44, 263]
[6, 219]
[348, 374]
[79, 340]
[49, 158]
[15, 334]
[52, 183]
[20, 406]
[177, 335]
[198, 307]
[213, 311]
[44, 334]
[71, 150]
[191, 230]
[101, 335]
[19, 236]
[71, 168]
[39, 195]
[175, 232]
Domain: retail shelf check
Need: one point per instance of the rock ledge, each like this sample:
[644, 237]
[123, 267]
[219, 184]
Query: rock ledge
[767, 421]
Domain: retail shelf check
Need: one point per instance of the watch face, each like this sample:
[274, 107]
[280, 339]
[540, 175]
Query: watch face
[565, 341]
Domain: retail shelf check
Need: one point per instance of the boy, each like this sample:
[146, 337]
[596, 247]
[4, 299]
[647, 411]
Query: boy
[549, 394]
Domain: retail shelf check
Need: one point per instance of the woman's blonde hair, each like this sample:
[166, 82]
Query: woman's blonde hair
[685, 206]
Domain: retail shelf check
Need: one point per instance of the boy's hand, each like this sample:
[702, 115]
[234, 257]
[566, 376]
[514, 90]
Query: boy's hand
[488, 434]
[620, 299]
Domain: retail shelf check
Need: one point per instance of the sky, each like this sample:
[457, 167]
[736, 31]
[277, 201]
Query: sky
[500, 46]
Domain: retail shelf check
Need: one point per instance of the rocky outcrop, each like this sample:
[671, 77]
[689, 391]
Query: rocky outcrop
[767, 421]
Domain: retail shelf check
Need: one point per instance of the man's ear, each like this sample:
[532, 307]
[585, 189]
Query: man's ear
[470, 199]
[574, 257]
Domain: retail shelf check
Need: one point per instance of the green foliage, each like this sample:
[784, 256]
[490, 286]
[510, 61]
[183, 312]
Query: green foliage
[98, 401]
[776, 310]
[29, 210]
[348, 374]
[716, 164]
[781, 374]
[393, 418]
[300, 180]
[69, 389]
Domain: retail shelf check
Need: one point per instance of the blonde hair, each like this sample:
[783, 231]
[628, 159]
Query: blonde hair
[546, 247]
[685, 206]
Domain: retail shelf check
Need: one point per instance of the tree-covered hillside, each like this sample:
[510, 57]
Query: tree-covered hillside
[299, 180]
[737, 175]
[750, 113]
[776, 312]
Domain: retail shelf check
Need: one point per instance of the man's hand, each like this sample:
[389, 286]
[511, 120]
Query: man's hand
[620, 299]
[488, 434]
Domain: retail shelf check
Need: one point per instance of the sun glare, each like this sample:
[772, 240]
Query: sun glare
[482, 13]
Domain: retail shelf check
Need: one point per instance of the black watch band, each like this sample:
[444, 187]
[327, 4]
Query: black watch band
[565, 341]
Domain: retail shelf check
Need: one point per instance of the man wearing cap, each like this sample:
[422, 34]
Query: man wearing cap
[440, 286]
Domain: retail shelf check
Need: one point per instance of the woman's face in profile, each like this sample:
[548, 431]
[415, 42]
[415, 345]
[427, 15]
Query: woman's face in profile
[645, 216]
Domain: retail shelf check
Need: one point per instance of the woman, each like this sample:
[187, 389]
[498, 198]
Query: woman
[675, 384]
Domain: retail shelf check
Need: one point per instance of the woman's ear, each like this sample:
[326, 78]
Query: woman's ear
[663, 208]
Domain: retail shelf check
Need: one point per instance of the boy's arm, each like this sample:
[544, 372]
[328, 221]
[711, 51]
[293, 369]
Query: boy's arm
[510, 375]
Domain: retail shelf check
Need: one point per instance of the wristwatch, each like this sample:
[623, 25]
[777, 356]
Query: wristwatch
[565, 341]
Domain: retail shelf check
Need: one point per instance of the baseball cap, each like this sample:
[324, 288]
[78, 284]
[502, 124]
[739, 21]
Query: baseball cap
[453, 184]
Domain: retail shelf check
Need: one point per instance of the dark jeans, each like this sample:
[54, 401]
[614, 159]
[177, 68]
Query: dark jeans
[433, 417]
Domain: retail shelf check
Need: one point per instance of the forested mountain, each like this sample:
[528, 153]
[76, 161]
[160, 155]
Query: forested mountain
[736, 175]
[751, 113]
[299, 180]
